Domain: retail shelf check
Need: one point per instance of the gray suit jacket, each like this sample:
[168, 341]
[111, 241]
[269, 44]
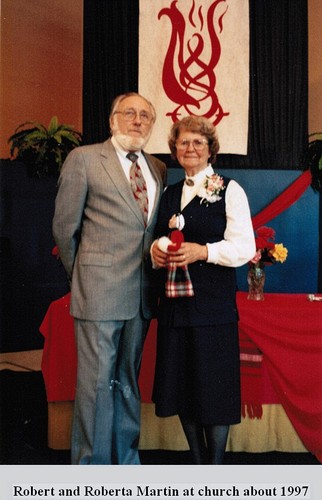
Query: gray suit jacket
[101, 237]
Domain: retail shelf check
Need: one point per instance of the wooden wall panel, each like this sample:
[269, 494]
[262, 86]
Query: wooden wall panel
[41, 64]
[315, 66]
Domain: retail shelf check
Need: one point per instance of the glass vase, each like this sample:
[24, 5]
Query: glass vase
[256, 280]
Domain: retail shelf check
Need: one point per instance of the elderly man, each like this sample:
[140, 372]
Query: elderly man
[105, 214]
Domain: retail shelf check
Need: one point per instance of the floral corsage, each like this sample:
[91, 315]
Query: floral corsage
[211, 188]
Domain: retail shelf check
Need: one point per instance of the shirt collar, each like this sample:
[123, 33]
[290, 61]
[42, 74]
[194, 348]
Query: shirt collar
[201, 175]
[122, 151]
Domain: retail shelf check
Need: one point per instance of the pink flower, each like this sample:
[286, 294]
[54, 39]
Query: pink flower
[211, 188]
[257, 257]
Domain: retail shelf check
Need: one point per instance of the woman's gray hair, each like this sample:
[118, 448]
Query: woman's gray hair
[197, 125]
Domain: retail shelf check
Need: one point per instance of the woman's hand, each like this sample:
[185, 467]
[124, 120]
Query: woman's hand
[188, 253]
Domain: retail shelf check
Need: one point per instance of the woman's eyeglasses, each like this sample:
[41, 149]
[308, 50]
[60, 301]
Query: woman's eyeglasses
[198, 144]
[130, 115]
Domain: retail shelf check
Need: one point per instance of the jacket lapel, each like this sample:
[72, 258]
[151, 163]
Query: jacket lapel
[159, 184]
[114, 170]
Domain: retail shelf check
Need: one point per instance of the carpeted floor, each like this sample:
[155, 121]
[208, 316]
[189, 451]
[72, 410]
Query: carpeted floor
[23, 431]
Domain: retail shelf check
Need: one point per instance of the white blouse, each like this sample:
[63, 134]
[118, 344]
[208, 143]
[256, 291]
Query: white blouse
[238, 244]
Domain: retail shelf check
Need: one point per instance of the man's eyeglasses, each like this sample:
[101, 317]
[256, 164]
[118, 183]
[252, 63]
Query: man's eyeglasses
[130, 115]
[198, 144]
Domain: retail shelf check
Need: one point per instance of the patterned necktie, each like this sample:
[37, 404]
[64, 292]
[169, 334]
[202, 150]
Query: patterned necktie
[138, 186]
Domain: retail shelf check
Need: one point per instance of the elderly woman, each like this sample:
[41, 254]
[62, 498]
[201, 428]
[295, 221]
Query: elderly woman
[207, 217]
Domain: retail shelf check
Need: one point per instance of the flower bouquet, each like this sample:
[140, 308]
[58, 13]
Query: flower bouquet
[267, 253]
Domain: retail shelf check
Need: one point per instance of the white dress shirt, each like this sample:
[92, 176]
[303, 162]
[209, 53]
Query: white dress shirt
[126, 166]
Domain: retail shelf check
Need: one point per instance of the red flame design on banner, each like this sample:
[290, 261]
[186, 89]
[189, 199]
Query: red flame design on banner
[192, 90]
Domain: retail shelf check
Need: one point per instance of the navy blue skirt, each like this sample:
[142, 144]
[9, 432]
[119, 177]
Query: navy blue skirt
[198, 373]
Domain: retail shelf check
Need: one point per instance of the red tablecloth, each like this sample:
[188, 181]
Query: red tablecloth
[59, 359]
[286, 328]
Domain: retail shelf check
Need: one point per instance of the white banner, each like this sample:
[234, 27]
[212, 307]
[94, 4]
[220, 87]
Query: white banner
[194, 60]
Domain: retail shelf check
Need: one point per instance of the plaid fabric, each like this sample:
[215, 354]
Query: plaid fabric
[178, 283]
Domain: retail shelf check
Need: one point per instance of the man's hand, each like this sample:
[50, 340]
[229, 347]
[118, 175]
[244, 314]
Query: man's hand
[159, 258]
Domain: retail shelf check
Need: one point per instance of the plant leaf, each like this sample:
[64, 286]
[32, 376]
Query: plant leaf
[53, 125]
[70, 136]
[44, 150]
[57, 137]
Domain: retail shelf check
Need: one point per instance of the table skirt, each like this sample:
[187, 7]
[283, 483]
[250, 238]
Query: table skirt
[273, 432]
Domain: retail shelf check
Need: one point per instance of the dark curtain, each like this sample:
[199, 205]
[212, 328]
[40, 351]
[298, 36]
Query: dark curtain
[30, 276]
[278, 76]
[111, 35]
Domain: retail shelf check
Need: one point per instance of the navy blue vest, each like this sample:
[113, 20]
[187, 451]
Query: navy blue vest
[214, 301]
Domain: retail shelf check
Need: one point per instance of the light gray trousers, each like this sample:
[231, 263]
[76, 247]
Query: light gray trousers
[106, 423]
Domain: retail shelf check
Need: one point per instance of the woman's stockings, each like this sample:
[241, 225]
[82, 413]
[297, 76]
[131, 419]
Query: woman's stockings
[216, 438]
[195, 436]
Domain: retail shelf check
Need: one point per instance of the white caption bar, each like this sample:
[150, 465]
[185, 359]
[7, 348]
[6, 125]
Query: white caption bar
[247, 491]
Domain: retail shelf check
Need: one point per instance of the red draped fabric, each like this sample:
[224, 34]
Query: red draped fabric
[284, 200]
[251, 367]
[59, 359]
[286, 329]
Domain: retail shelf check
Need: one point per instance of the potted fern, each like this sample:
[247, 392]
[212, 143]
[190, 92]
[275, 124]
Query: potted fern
[43, 150]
